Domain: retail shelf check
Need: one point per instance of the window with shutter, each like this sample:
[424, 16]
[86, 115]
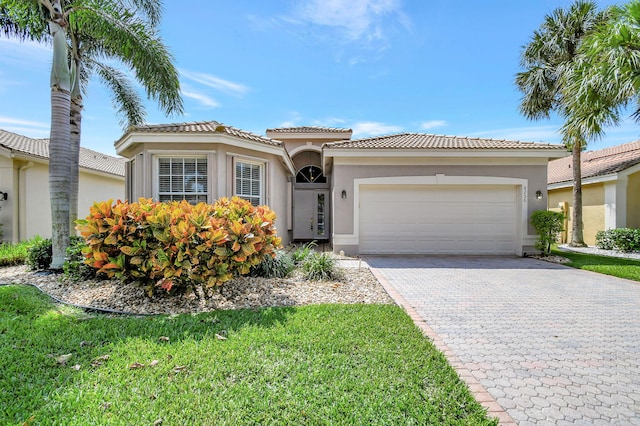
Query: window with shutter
[249, 182]
[183, 179]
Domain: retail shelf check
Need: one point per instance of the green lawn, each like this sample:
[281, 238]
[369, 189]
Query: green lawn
[325, 364]
[618, 267]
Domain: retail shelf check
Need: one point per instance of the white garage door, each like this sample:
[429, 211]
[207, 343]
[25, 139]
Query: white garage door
[437, 219]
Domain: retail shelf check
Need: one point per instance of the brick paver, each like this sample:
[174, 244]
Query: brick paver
[548, 343]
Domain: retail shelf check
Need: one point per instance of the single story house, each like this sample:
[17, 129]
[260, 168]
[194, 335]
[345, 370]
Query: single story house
[610, 189]
[25, 209]
[403, 193]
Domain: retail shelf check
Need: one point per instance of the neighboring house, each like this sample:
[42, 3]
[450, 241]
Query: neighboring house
[610, 189]
[24, 177]
[405, 193]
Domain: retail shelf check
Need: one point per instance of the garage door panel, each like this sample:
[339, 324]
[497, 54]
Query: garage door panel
[428, 219]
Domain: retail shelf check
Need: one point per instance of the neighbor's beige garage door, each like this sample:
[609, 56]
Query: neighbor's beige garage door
[437, 219]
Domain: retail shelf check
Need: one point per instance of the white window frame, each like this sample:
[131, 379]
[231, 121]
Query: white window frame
[259, 199]
[180, 195]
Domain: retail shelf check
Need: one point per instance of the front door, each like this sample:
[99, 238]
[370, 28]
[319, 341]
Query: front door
[311, 214]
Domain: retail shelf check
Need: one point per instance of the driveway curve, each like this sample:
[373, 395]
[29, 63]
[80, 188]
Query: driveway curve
[550, 344]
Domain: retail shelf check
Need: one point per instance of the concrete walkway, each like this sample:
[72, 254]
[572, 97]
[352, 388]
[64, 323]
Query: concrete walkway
[538, 343]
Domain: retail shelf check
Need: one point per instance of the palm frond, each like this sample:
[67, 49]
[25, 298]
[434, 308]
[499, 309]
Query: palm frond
[126, 100]
[24, 20]
[123, 35]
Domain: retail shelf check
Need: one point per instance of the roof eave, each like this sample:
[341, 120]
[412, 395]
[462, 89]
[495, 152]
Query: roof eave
[550, 153]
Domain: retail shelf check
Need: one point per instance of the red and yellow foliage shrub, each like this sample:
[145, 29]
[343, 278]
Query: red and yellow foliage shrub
[176, 244]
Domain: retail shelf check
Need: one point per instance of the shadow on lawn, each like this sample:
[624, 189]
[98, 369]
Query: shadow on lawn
[34, 333]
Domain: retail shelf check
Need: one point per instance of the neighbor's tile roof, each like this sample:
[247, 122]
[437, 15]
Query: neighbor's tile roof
[89, 159]
[596, 163]
[428, 141]
[204, 127]
[309, 129]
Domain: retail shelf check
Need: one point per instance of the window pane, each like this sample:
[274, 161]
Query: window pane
[176, 184]
[249, 182]
[189, 166]
[165, 184]
[176, 166]
[165, 166]
[182, 179]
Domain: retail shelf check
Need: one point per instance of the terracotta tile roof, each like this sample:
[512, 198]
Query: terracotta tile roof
[308, 129]
[204, 127]
[596, 163]
[428, 141]
[89, 159]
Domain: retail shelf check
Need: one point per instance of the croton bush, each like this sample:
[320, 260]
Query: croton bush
[175, 244]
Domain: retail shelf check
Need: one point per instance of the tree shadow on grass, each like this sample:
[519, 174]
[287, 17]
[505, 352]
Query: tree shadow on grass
[35, 333]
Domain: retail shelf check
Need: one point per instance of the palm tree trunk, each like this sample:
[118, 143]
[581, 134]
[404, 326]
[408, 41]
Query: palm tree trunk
[59, 141]
[577, 237]
[59, 164]
[75, 127]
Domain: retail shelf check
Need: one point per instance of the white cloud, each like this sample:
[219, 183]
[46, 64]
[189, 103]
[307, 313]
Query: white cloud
[24, 52]
[329, 122]
[372, 128]
[27, 131]
[294, 118]
[225, 86]
[29, 128]
[358, 19]
[531, 133]
[30, 123]
[200, 97]
[432, 124]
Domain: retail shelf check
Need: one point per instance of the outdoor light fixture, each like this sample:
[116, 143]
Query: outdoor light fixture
[344, 194]
[4, 195]
[538, 195]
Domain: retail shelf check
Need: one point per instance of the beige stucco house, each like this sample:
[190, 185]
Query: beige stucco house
[24, 178]
[405, 193]
[610, 189]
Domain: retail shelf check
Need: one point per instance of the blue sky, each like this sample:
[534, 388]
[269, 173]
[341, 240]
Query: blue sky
[375, 66]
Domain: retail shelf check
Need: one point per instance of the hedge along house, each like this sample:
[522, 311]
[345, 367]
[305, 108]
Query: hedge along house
[610, 189]
[407, 193]
[24, 184]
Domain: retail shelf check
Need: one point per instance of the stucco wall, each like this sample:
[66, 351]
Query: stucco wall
[6, 207]
[633, 201]
[35, 206]
[94, 188]
[344, 175]
[220, 174]
[593, 210]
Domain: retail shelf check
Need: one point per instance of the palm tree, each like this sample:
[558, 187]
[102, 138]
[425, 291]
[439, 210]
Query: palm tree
[97, 30]
[550, 60]
[29, 18]
[132, 39]
[607, 79]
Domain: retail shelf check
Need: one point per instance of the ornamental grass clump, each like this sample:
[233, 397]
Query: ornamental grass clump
[175, 244]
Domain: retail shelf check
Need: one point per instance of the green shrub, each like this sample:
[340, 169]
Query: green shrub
[39, 253]
[319, 266]
[605, 240]
[176, 244]
[13, 253]
[74, 266]
[274, 267]
[301, 253]
[621, 239]
[548, 225]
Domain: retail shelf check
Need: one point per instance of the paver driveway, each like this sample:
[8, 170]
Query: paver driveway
[551, 344]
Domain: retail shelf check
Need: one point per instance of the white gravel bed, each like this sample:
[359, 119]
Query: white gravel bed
[357, 285]
[600, 252]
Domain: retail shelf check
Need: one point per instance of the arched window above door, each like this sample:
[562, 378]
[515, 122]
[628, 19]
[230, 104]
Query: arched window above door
[310, 174]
